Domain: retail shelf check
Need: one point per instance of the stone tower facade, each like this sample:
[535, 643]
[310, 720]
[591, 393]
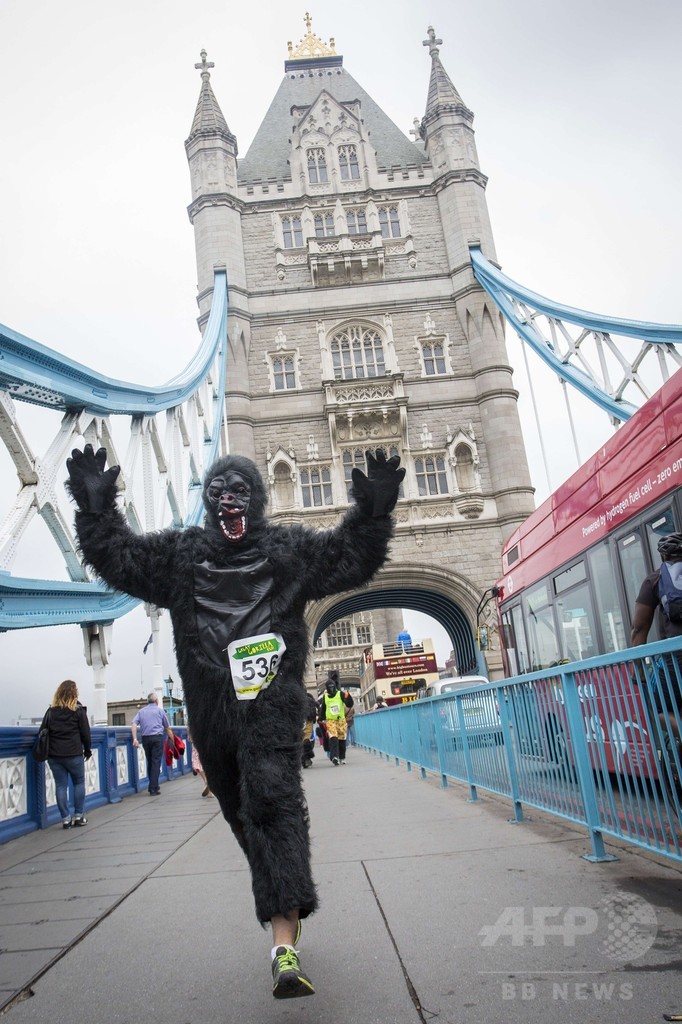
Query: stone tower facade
[355, 322]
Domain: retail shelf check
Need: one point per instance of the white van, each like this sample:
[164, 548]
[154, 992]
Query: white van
[450, 683]
[480, 711]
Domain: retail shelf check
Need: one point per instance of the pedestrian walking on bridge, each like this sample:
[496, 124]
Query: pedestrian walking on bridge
[70, 747]
[153, 723]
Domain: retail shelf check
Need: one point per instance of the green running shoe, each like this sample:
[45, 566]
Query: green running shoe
[289, 981]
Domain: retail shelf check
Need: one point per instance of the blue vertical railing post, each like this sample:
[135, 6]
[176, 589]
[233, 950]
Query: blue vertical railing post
[508, 737]
[110, 780]
[135, 776]
[440, 744]
[583, 765]
[37, 770]
[473, 794]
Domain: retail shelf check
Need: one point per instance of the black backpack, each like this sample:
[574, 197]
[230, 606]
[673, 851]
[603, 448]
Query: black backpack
[670, 590]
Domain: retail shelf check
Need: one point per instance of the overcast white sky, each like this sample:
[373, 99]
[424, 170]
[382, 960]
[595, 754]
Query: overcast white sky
[577, 122]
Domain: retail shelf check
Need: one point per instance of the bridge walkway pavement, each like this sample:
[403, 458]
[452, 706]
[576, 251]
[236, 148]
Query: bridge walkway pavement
[431, 910]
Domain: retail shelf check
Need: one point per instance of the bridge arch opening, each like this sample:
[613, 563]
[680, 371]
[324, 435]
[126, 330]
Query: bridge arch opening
[446, 597]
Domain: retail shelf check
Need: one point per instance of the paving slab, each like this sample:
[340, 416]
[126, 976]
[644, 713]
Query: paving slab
[56, 884]
[432, 908]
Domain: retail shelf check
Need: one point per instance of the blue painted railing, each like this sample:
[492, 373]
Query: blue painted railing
[116, 770]
[583, 741]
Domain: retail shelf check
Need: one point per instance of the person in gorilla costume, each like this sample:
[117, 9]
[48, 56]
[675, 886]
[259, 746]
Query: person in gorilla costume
[237, 579]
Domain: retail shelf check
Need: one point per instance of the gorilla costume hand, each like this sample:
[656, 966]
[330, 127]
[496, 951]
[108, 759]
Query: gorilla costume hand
[93, 489]
[377, 493]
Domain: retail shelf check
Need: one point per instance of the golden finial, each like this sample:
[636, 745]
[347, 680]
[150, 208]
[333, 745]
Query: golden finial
[311, 45]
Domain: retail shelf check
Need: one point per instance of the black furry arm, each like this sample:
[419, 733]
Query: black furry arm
[345, 558]
[348, 557]
[141, 566]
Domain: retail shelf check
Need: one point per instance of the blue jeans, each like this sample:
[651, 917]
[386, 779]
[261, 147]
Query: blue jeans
[64, 768]
[153, 749]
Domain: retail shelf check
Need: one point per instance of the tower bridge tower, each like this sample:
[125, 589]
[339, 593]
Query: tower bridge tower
[356, 323]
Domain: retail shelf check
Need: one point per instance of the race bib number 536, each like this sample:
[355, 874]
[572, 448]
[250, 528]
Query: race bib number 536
[254, 662]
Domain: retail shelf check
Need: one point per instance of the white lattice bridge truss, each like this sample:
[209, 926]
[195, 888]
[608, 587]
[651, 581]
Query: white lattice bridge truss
[163, 438]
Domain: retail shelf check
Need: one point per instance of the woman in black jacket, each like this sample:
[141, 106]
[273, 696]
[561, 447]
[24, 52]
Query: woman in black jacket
[69, 743]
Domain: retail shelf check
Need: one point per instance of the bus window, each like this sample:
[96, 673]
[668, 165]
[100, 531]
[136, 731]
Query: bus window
[542, 634]
[520, 638]
[608, 601]
[514, 641]
[569, 577]
[509, 645]
[577, 624]
[633, 565]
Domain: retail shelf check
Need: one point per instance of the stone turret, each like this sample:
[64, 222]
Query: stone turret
[447, 130]
[216, 214]
[212, 155]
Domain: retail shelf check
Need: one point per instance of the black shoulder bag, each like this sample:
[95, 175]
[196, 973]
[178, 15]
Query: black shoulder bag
[41, 746]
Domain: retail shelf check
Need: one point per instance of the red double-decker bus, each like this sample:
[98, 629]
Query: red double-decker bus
[396, 671]
[573, 569]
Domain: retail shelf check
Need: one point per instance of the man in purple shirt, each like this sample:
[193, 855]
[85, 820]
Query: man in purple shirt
[153, 723]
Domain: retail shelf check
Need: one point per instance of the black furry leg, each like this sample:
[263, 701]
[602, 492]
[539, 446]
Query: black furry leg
[276, 828]
[224, 784]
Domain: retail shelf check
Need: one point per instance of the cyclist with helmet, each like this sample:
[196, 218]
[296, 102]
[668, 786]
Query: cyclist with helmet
[668, 697]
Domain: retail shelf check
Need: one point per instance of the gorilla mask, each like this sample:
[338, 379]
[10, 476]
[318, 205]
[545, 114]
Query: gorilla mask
[234, 497]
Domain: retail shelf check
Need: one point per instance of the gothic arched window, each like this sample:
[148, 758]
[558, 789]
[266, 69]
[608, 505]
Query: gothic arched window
[357, 352]
[357, 222]
[284, 372]
[431, 475]
[389, 222]
[364, 634]
[324, 225]
[340, 633]
[316, 487]
[348, 163]
[317, 166]
[434, 358]
[292, 232]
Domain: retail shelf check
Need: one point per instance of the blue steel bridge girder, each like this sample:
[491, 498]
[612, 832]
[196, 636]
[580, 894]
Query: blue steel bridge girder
[175, 431]
[579, 346]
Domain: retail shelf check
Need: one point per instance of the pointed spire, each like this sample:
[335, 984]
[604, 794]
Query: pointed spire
[208, 117]
[441, 89]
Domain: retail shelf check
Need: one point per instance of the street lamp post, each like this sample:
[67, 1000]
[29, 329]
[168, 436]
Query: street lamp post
[482, 631]
[171, 708]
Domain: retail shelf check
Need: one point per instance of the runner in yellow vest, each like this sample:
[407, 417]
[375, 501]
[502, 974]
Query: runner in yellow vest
[332, 710]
